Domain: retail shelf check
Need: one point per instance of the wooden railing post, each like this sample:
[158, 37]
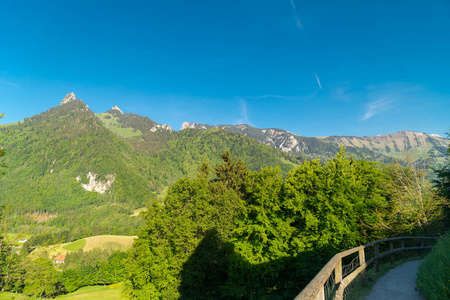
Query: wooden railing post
[338, 279]
[362, 261]
[391, 247]
[321, 294]
[403, 247]
[377, 260]
[338, 272]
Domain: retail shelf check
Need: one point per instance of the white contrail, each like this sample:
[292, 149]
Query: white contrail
[9, 83]
[318, 81]
[294, 11]
[268, 96]
[244, 114]
[378, 106]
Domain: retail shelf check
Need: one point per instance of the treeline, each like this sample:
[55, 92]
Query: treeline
[235, 234]
[45, 239]
[41, 278]
[94, 267]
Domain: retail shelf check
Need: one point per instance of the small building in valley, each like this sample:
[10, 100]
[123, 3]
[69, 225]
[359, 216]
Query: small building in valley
[59, 259]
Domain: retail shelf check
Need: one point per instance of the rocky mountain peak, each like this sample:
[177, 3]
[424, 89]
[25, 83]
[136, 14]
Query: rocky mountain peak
[68, 98]
[115, 107]
[189, 125]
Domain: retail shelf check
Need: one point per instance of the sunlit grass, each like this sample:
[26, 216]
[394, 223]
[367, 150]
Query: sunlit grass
[434, 273]
[13, 296]
[104, 241]
[96, 292]
[113, 125]
[75, 246]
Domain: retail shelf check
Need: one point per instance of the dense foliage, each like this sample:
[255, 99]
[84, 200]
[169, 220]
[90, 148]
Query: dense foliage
[434, 273]
[240, 234]
[92, 268]
[193, 210]
[443, 183]
[45, 239]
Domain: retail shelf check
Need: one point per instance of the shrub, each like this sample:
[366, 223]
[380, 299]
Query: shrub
[434, 273]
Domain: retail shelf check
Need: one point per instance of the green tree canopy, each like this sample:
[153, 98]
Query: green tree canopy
[192, 210]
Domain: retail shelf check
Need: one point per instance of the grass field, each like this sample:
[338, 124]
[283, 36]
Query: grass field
[12, 296]
[113, 242]
[112, 291]
[113, 125]
[51, 251]
[96, 292]
[75, 246]
[15, 237]
[105, 241]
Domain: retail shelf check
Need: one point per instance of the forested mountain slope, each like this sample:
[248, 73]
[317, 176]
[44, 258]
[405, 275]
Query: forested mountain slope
[382, 148]
[66, 168]
[57, 159]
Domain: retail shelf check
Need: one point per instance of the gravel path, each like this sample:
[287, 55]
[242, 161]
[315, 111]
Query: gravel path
[397, 284]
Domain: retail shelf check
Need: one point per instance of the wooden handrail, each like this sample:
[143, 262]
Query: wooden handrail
[315, 290]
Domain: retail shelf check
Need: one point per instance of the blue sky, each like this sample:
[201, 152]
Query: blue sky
[314, 68]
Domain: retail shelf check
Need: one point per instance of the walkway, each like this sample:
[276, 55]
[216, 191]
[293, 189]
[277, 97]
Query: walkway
[397, 284]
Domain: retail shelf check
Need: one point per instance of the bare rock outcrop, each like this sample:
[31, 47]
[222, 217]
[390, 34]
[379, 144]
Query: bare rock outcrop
[68, 98]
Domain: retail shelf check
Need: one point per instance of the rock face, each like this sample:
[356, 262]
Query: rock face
[188, 125]
[115, 107]
[68, 98]
[98, 186]
[396, 142]
[161, 127]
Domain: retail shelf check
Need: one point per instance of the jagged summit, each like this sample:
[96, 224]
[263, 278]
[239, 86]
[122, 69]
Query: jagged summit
[189, 125]
[115, 107]
[68, 98]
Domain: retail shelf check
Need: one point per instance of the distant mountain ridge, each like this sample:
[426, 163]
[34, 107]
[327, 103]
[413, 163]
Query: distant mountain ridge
[382, 147]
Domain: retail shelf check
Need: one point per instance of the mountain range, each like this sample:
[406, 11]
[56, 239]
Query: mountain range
[382, 148]
[71, 168]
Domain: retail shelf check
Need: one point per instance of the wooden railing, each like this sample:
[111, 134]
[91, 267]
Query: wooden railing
[315, 290]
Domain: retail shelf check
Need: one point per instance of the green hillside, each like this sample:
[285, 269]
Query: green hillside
[50, 156]
[69, 168]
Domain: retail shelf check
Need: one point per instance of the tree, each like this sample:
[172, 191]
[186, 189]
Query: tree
[287, 231]
[415, 206]
[443, 177]
[333, 205]
[113, 270]
[232, 172]
[193, 210]
[42, 279]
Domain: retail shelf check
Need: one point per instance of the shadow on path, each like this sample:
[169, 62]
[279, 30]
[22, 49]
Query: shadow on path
[397, 284]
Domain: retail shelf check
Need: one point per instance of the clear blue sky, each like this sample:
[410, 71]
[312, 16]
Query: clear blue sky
[315, 68]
